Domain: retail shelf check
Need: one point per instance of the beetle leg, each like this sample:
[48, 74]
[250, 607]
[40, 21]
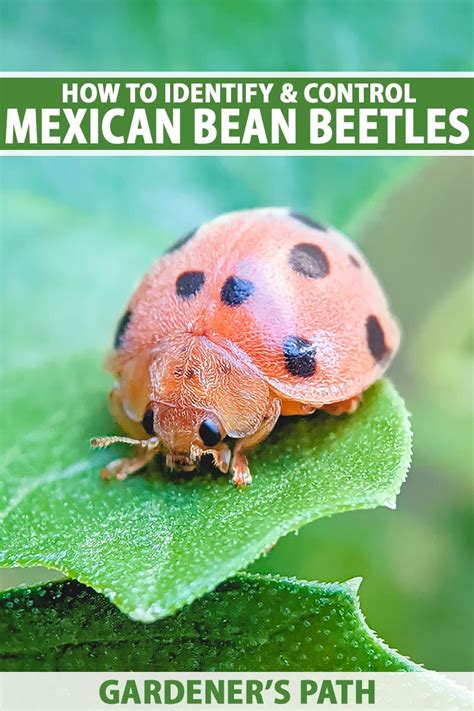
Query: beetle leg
[221, 455]
[122, 468]
[239, 465]
[345, 407]
[291, 407]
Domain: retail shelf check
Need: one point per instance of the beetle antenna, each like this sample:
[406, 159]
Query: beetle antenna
[102, 442]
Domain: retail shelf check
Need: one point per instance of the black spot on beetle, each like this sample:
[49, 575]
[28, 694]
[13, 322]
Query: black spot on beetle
[300, 356]
[148, 422]
[209, 433]
[236, 291]
[376, 339]
[354, 261]
[308, 221]
[121, 328]
[181, 242]
[309, 260]
[189, 284]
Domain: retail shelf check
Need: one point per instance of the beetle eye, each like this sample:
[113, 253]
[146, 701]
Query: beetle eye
[209, 433]
[148, 422]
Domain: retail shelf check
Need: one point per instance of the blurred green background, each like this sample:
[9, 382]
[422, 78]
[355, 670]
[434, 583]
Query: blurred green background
[77, 233]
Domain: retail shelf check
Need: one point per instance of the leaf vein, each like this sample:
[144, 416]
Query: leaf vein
[48, 478]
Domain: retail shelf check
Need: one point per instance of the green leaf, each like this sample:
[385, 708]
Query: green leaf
[450, 365]
[251, 623]
[445, 382]
[156, 542]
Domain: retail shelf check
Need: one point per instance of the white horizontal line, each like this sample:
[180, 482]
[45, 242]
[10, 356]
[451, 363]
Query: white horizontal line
[235, 153]
[217, 75]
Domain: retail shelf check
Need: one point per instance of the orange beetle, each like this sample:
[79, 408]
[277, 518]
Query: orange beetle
[256, 314]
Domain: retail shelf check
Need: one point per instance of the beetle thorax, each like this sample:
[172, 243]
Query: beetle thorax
[189, 387]
[192, 375]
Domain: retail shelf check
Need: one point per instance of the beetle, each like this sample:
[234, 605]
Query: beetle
[255, 315]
